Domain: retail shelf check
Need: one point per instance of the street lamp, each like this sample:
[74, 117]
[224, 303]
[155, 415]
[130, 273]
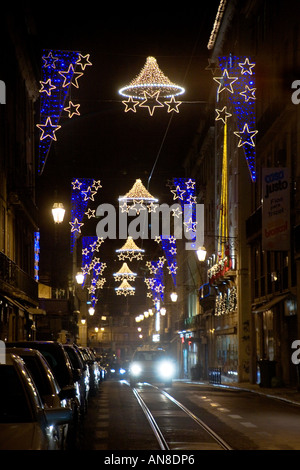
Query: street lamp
[174, 296]
[91, 311]
[79, 278]
[201, 253]
[58, 212]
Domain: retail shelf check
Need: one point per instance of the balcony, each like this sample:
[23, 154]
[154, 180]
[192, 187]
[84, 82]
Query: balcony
[15, 282]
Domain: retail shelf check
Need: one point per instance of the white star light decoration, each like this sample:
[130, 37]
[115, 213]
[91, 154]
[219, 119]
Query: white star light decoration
[243, 77]
[151, 89]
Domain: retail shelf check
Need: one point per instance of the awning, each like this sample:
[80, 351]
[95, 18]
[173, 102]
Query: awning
[36, 311]
[268, 305]
[14, 302]
[31, 310]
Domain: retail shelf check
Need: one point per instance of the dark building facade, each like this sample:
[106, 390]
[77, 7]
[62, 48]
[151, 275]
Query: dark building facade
[18, 211]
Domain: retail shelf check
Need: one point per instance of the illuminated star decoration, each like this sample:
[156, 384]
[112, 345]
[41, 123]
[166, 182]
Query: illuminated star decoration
[48, 129]
[72, 109]
[242, 102]
[58, 73]
[151, 88]
[225, 82]
[83, 61]
[47, 87]
[130, 105]
[222, 114]
[151, 102]
[246, 136]
[173, 105]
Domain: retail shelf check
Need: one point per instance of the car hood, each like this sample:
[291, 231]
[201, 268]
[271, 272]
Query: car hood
[22, 436]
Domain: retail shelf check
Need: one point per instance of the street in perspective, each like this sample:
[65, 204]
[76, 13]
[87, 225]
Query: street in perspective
[150, 232]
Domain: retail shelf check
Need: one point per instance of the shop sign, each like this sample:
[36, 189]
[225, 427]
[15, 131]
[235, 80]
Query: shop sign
[275, 209]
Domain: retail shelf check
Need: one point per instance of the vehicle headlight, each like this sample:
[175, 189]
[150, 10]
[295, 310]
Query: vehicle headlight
[166, 369]
[135, 369]
[122, 371]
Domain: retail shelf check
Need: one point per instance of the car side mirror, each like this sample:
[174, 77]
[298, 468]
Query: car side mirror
[58, 416]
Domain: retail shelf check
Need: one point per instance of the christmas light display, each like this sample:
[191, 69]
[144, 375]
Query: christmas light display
[136, 197]
[58, 74]
[83, 191]
[223, 209]
[125, 288]
[156, 283]
[36, 255]
[241, 98]
[125, 273]
[185, 191]
[130, 250]
[150, 88]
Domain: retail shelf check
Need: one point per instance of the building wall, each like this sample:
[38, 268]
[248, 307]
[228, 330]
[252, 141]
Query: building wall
[18, 213]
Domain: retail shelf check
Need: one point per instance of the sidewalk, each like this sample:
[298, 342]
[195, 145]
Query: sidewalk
[289, 394]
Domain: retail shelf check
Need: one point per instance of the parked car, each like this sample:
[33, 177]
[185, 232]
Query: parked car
[51, 394]
[81, 374]
[95, 375]
[25, 423]
[60, 365]
[151, 365]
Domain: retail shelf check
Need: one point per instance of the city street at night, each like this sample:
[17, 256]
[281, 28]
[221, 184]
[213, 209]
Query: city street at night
[206, 417]
[150, 231]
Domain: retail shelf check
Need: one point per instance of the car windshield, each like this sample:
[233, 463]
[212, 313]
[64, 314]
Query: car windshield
[149, 355]
[14, 407]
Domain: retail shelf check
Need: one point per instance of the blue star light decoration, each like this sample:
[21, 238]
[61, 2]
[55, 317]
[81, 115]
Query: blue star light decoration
[83, 191]
[58, 74]
[156, 284]
[185, 193]
[170, 251]
[237, 83]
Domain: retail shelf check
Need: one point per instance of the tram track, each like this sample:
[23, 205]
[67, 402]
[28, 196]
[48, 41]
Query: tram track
[174, 425]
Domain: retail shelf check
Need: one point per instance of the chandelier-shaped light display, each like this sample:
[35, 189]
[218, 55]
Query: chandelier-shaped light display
[125, 273]
[137, 199]
[150, 86]
[130, 250]
[125, 288]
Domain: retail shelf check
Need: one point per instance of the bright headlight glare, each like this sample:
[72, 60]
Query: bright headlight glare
[135, 369]
[166, 369]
